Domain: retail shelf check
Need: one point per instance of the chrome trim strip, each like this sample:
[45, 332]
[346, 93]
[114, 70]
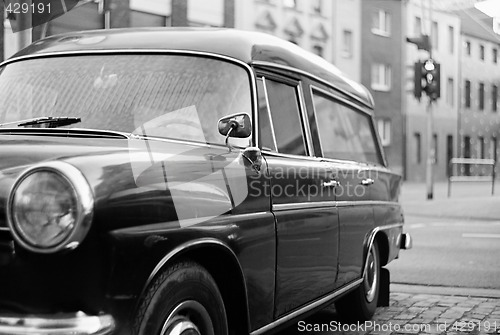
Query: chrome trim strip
[302, 205]
[83, 193]
[367, 202]
[305, 120]
[4, 229]
[310, 75]
[78, 323]
[319, 204]
[271, 122]
[279, 154]
[307, 308]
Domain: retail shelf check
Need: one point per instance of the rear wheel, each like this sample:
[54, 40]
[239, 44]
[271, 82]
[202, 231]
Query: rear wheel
[183, 300]
[361, 304]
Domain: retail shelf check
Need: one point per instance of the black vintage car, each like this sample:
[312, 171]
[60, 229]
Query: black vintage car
[187, 181]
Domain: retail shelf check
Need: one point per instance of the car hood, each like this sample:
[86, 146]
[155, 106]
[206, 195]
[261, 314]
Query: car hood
[135, 181]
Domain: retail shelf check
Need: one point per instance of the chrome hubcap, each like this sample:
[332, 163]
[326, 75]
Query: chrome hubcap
[371, 277]
[188, 318]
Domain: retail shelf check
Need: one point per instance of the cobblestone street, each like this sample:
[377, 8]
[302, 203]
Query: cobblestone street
[410, 313]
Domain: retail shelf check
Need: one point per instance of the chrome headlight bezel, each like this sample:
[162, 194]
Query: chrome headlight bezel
[84, 201]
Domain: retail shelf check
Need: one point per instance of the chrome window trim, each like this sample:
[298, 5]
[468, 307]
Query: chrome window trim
[305, 120]
[264, 85]
[279, 154]
[85, 199]
[248, 68]
[307, 308]
[312, 76]
[300, 109]
[380, 152]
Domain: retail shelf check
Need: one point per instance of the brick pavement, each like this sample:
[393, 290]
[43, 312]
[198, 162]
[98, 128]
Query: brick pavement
[413, 314]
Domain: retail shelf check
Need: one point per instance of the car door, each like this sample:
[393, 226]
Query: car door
[302, 195]
[344, 133]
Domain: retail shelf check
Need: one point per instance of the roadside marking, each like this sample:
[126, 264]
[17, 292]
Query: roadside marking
[472, 235]
[416, 225]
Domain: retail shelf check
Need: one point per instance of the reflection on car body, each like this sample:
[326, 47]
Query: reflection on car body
[217, 182]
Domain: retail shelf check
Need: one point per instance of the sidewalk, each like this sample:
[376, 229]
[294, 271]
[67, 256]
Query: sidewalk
[471, 200]
[413, 313]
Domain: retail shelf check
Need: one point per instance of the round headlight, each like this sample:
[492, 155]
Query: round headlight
[49, 208]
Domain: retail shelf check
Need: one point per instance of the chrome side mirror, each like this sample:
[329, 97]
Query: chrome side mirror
[235, 125]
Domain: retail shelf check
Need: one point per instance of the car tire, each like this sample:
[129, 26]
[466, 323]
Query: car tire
[361, 304]
[183, 299]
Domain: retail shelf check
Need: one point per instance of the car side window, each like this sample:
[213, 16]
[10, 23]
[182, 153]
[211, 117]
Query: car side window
[285, 123]
[345, 133]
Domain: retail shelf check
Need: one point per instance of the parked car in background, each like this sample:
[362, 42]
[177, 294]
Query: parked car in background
[187, 181]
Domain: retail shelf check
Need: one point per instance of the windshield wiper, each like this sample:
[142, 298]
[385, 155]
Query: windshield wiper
[49, 121]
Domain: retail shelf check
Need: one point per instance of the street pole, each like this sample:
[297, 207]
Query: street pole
[24, 24]
[430, 153]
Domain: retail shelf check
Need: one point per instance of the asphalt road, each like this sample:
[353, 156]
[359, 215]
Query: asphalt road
[450, 252]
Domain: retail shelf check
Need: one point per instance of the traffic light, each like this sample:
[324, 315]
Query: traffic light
[431, 72]
[428, 79]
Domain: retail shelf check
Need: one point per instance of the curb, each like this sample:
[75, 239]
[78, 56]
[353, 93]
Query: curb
[445, 290]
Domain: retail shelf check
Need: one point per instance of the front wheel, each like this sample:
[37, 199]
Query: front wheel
[182, 300]
[360, 304]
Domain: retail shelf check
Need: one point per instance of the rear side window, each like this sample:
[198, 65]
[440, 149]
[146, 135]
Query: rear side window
[281, 128]
[345, 133]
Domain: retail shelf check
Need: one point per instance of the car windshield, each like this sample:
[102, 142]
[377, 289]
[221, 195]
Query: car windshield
[172, 96]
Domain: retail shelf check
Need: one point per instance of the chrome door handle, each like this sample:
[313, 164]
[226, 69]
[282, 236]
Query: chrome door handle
[331, 183]
[367, 181]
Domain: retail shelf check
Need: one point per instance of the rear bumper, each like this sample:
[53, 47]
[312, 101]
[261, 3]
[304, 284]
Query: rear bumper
[406, 241]
[64, 324]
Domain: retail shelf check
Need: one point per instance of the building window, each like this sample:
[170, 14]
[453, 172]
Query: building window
[318, 50]
[317, 7]
[481, 96]
[450, 91]
[290, 4]
[494, 98]
[142, 19]
[495, 55]
[417, 29]
[451, 39]
[435, 35]
[449, 153]
[381, 23]
[381, 77]
[493, 148]
[384, 131]
[467, 48]
[480, 147]
[481, 52]
[418, 148]
[347, 43]
[467, 93]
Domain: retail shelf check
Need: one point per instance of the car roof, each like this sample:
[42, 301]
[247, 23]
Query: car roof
[246, 46]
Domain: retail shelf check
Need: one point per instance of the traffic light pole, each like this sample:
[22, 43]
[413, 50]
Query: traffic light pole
[430, 153]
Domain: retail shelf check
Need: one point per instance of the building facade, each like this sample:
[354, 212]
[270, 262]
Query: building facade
[480, 83]
[382, 43]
